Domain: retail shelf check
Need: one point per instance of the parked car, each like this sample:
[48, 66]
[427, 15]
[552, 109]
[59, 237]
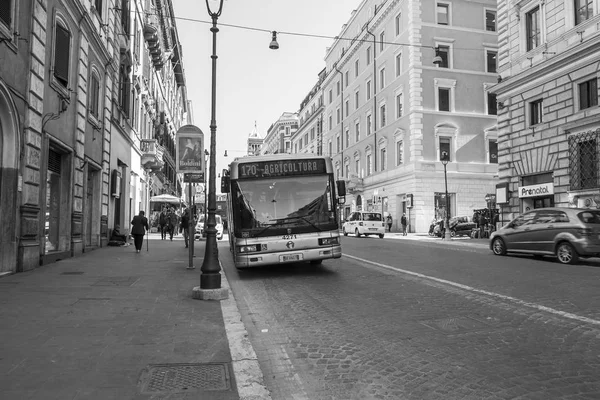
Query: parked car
[567, 233]
[364, 223]
[200, 228]
[461, 226]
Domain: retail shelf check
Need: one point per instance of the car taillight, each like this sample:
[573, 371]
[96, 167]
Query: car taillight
[586, 231]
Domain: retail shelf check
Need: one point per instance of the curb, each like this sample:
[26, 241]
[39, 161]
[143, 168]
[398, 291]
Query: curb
[249, 378]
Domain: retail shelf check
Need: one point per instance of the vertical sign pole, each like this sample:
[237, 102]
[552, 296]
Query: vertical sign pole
[190, 225]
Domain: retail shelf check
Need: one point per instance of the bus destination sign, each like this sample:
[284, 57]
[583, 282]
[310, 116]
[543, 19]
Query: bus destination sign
[268, 169]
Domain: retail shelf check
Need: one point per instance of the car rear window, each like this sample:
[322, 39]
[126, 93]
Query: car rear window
[589, 217]
[372, 217]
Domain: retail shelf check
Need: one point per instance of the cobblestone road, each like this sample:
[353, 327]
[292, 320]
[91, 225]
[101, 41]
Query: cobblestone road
[349, 329]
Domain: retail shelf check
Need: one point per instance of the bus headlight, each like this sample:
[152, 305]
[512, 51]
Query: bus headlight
[248, 249]
[329, 241]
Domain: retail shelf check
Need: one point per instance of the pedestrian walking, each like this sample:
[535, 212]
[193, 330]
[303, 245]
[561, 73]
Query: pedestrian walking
[403, 223]
[389, 221]
[162, 223]
[184, 225]
[171, 223]
[139, 226]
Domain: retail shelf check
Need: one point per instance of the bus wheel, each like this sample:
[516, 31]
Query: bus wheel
[356, 233]
[316, 262]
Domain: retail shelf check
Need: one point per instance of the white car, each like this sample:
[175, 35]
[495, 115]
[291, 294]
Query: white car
[200, 232]
[364, 223]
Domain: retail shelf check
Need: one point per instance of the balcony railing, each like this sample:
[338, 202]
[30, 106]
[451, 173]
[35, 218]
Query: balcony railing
[152, 154]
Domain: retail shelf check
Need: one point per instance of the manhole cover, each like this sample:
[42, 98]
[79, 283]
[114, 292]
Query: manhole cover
[72, 273]
[174, 378]
[116, 281]
[455, 325]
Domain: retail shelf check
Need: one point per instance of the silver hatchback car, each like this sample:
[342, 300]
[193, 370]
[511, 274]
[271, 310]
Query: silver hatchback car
[567, 233]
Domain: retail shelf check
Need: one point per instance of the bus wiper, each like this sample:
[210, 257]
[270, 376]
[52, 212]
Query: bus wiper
[305, 220]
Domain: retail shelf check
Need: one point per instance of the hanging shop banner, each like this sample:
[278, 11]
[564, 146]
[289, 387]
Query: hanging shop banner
[190, 150]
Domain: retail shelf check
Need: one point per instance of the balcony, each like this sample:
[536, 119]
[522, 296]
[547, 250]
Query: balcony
[152, 155]
[354, 184]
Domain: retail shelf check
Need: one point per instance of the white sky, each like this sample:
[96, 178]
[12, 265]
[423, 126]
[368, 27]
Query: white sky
[254, 83]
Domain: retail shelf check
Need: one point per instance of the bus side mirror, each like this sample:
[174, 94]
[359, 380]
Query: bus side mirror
[224, 184]
[341, 188]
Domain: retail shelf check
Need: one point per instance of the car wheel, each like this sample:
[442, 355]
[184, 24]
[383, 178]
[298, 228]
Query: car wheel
[345, 233]
[381, 236]
[498, 247]
[356, 233]
[566, 254]
[452, 233]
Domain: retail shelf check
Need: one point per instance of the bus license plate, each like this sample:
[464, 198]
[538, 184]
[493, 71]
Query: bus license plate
[290, 257]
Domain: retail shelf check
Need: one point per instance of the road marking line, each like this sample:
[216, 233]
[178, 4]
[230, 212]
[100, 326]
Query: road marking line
[535, 306]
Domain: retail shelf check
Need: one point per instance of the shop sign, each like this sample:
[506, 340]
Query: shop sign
[543, 189]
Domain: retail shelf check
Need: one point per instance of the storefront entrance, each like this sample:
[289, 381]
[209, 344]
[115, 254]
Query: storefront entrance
[543, 202]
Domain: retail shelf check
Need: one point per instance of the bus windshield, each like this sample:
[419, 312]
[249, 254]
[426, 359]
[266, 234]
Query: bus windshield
[283, 205]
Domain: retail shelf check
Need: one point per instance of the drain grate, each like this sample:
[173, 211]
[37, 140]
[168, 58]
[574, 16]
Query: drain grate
[455, 325]
[174, 378]
[72, 273]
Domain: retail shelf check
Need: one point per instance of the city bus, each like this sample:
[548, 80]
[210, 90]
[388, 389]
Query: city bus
[282, 208]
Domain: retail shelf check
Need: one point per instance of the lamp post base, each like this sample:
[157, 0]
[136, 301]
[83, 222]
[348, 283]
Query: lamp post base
[210, 294]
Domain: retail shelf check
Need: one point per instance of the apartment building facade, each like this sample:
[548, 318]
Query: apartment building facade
[309, 136]
[548, 117]
[279, 135]
[78, 127]
[390, 112]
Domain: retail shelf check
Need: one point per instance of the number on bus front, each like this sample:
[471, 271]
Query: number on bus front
[288, 237]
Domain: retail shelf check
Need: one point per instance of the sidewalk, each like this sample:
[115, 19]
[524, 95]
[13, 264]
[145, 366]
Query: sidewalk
[115, 324]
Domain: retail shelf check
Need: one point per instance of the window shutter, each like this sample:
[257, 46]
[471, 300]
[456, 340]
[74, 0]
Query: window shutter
[61, 55]
[54, 161]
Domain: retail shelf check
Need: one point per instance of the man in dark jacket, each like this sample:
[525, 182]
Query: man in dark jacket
[139, 226]
[162, 222]
[184, 225]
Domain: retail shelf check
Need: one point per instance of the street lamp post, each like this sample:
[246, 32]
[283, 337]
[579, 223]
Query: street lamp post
[205, 203]
[445, 159]
[211, 276]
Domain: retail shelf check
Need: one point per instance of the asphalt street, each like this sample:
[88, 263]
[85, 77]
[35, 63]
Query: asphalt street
[409, 319]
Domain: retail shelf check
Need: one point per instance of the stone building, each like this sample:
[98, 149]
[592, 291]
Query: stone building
[309, 136]
[76, 83]
[390, 112]
[279, 135]
[548, 114]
